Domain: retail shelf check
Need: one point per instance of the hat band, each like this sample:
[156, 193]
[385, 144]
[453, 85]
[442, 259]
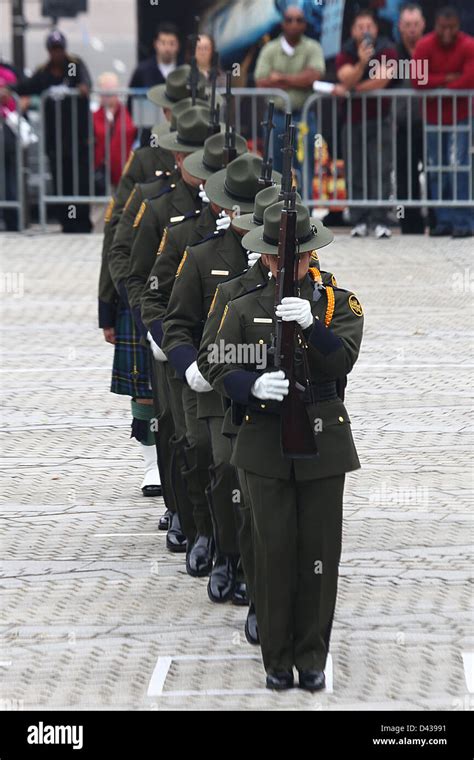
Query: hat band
[208, 165]
[299, 241]
[199, 143]
[234, 195]
[257, 220]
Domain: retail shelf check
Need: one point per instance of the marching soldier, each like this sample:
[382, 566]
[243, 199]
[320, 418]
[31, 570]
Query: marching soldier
[296, 503]
[187, 230]
[202, 268]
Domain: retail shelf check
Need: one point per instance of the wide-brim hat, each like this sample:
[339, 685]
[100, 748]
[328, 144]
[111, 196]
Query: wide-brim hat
[311, 234]
[191, 131]
[209, 160]
[238, 184]
[163, 128]
[176, 88]
[265, 198]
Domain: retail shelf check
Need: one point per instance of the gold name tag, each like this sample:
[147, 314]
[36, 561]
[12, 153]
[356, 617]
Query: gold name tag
[263, 320]
[219, 271]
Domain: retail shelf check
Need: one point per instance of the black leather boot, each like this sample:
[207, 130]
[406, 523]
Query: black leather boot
[175, 538]
[223, 578]
[199, 557]
[164, 521]
[251, 628]
[312, 680]
[279, 681]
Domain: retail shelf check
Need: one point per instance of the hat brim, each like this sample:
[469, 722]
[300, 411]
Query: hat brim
[194, 165]
[172, 143]
[158, 96]
[253, 240]
[161, 129]
[216, 193]
[244, 222]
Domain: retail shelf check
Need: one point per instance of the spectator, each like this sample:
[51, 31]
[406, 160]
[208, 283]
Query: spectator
[411, 25]
[154, 70]
[8, 154]
[114, 133]
[361, 68]
[66, 117]
[292, 62]
[448, 54]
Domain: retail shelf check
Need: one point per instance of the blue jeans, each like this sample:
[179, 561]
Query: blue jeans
[279, 119]
[444, 147]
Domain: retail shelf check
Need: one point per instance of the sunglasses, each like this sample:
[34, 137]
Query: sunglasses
[294, 19]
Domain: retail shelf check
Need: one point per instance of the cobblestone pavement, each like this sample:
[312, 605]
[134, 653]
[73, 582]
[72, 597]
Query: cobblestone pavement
[92, 603]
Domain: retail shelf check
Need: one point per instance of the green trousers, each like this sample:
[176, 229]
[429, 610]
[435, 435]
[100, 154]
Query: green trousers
[197, 456]
[224, 490]
[296, 534]
[165, 430]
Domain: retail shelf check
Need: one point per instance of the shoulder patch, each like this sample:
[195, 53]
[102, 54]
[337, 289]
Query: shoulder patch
[138, 217]
[163, 240]
[224, 314]
[181, 263]
[333, 281]
[129, 199]
[128, 162]
[108, 210]
[355, 305]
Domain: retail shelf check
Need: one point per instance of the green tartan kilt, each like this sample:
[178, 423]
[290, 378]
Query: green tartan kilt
[131, 371]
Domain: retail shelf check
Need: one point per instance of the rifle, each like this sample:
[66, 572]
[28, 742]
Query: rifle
[230, 151]
[297, 433]
[194, 73]
[267, 164]
[214, 125]
[287, 176]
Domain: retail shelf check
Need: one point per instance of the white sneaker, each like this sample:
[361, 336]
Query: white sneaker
[381, 231]
[360, 230]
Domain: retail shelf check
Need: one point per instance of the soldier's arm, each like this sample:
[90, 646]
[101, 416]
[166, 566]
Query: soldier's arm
[229, 379]
[157, 292]
[108, 298]
[131, 174]
[209, 334]
[333, 350]
[147, 238]
[119, 252]
[184, 317]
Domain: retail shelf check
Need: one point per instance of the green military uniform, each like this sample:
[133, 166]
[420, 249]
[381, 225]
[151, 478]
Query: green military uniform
[154, 303]
[140, 167]
[296, 503]
[202, 268]
[119, 251]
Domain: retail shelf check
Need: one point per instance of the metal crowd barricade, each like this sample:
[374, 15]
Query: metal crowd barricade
[404, 111]
[71, 153]
[11, 167]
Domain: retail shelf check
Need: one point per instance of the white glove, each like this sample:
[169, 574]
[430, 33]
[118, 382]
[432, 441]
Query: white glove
[195, 380]
[271, 385]
[223, 221]
[295, 310]
[252, 257]
[159, 355]
[202, 194]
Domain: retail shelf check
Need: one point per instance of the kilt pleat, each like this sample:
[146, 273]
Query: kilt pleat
[131, 366]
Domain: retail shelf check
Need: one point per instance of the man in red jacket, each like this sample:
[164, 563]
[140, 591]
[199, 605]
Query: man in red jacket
[114, 133]
[448, 55]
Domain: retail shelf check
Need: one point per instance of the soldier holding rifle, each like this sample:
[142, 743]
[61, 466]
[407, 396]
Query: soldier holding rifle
[294, 445]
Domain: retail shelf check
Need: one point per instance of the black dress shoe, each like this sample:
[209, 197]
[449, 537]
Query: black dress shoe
[175, 538]
[199, 557]
[164, 521]
[152, 491]
[441, 230]
[240, 597]
[279, 681]
[312, 680]
[223, 578]
[251, 628]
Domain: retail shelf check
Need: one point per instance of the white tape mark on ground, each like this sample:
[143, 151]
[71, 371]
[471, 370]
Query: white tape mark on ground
[158, 677]
[468, 662]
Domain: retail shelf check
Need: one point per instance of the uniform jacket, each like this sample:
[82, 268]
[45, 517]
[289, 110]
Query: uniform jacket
[157, 213]
[141, 166]
[332, 347]
[177, 235]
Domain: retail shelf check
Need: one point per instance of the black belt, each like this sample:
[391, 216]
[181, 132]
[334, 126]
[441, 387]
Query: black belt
[321, 392]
